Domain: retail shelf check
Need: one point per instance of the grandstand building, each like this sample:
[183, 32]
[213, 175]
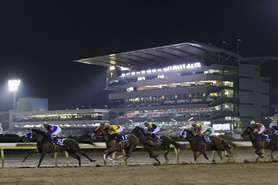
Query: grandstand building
[32, 112]
[171, 84]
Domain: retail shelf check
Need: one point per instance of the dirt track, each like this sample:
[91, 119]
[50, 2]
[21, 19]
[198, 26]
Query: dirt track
[201, 174]
[145, 173]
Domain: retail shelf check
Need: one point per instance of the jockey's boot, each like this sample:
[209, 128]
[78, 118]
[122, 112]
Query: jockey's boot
[202, 138]
[54, 140]
[118, 138]
[153, 137]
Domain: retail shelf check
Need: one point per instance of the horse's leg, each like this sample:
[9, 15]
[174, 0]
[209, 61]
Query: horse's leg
[231, 155]
[205, 155]
[165, 156]
[106, 153]
[195, 156]
[85, 155]
[213, 156]
[150, 151]
[41, 158]
[31, 152]
[198, 155]
[72, 153]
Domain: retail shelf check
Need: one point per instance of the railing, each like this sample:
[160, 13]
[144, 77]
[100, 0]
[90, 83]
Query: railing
[32, 146]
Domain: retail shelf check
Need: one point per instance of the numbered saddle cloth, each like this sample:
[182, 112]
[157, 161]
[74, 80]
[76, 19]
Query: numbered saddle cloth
[158, 138]
[60, 142]
[124, 138]
[267, 138]
[207, 139]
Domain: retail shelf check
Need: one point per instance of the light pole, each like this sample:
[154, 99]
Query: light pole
[13, 87]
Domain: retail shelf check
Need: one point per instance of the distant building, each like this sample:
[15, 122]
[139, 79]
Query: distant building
[32, 104]
[73, 122]
[168, 85]
[32, 112]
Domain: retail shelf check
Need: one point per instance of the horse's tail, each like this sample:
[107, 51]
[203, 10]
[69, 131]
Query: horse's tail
[229, 143]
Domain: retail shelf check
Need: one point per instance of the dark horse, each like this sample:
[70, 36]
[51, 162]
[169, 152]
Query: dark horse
[150, 146]
[71, 146]
[216, 144]
[259, 142]
[113, 146]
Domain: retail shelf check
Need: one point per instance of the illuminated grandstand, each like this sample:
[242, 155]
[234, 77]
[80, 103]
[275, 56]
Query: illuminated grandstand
[170, 84]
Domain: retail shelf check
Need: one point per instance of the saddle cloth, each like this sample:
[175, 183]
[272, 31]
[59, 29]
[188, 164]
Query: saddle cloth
[60, 142]
[124, 138]
[267, 138]
[207, 139]
[158, 138]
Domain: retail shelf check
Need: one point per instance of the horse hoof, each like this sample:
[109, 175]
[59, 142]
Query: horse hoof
[93, 160]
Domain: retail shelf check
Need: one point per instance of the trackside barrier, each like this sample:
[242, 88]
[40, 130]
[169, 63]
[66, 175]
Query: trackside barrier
[16, 146]
[55, 154]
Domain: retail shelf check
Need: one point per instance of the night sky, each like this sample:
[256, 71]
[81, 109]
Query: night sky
[40, 39]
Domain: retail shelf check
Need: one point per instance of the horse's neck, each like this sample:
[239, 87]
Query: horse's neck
[142, 134]
[105, 137]
[190, 137]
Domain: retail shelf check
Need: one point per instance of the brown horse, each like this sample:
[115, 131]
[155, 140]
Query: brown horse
[260, 142]
[150, 146]
[113, 146]
[43, 146]
[216, 144]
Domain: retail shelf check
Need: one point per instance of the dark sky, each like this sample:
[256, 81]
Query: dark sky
[40, 39]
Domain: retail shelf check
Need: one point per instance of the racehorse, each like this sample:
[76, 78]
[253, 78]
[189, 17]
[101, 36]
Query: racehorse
[150, 146]
[261, 142]
[70, 145]
[215, 144]
[113, 146]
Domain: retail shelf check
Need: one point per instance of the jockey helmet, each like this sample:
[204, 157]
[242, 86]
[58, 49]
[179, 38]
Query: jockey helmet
[271, 125]
[252, 122]
[146, 123]
[193, 123]
[45, 124]
[106, 125]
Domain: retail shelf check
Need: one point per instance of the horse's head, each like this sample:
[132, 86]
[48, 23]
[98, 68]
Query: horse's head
[267, 131]
[183, 134]
[34, 134]
[246, 130]
[137, 131]
[98, 131]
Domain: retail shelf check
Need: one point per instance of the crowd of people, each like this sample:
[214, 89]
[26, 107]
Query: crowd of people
[170, 113]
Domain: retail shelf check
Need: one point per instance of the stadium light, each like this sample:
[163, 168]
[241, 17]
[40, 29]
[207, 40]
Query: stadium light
[13, 87]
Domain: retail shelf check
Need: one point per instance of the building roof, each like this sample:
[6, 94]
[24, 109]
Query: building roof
[187, 52]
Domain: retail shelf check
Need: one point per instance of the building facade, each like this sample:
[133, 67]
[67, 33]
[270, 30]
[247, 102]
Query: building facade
[171, 84]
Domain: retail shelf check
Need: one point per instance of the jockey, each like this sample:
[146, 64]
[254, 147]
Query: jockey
[53, 131]
[258, 128]
[209, 131]
[199, 129]
[114, 130]
[152, 129]
[273, 128]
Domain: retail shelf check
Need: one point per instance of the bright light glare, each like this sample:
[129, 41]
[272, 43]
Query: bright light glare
[13, 85]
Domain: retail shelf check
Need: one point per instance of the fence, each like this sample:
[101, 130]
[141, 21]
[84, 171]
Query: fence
[32, 146]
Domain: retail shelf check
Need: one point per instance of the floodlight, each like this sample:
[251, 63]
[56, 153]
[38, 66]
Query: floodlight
[13, 85]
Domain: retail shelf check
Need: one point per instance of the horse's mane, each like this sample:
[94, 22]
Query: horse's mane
[141, 129]
[39, 131]
[188, 131]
